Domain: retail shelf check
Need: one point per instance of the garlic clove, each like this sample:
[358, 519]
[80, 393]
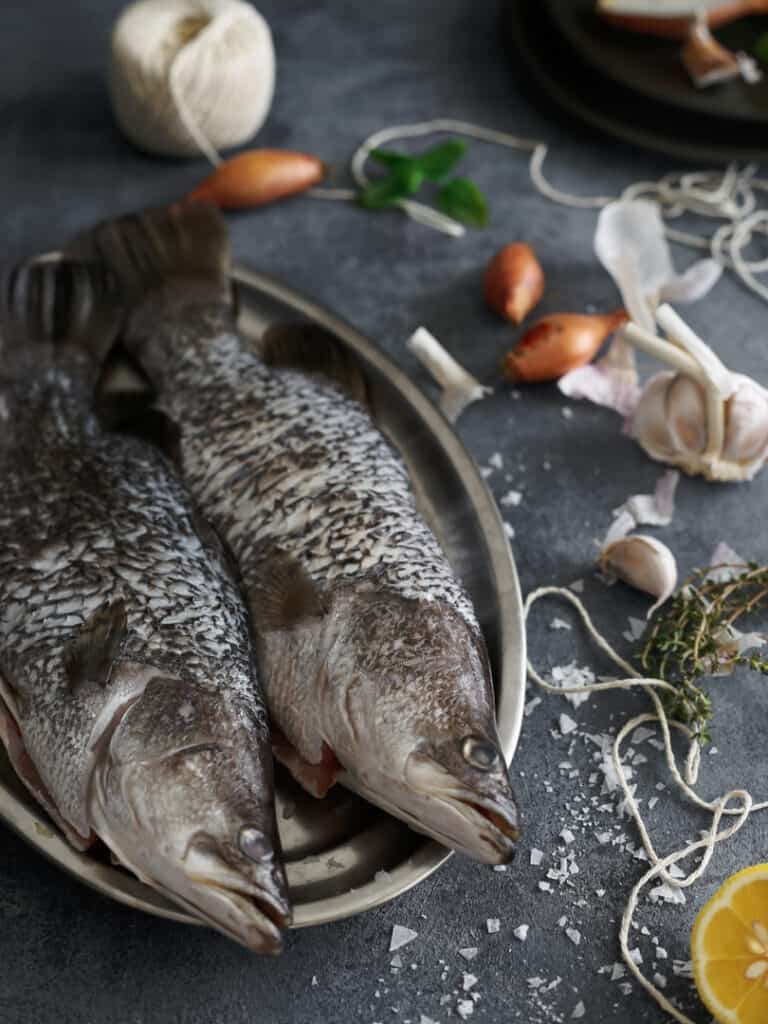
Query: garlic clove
[644, 563]
[686, 410]
[648, 424]
[746, 426]
[514, 282]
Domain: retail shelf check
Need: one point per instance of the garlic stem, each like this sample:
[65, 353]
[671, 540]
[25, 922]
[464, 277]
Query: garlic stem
[677, 330]
[717, 380]
[458, 387]
[662, 350]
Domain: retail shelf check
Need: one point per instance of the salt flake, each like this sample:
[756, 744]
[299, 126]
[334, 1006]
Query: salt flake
[573, 677]
[578, 1010]
[559, 624]
[567, 725]
[401, 937]
[511, 498]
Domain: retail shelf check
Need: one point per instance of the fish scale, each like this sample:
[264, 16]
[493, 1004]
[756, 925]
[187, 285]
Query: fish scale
[342, 481]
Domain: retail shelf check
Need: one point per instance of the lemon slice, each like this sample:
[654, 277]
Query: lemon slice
[729, 949]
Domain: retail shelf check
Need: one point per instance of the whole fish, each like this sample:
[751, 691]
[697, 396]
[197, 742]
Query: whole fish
[128, 700]
[372, 658]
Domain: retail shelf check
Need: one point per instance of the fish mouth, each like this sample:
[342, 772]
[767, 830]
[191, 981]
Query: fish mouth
[264, 915]
[474, 815]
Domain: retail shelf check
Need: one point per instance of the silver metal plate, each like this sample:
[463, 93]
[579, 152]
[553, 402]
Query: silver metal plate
[342, 855]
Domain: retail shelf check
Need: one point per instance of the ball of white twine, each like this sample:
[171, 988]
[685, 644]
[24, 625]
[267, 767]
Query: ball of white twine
[191, 76]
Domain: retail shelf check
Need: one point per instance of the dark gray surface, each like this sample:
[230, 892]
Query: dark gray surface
[345, 69]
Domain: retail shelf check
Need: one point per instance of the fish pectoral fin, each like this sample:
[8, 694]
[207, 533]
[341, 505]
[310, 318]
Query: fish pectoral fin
[316, 779]
[313, 349]
[22, 764]
[281, 593]
[93, 652]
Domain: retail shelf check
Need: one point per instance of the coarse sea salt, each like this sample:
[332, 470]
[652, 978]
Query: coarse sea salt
[521, 932]
[512, 498]
[509, 530]
[493, 924]
[468, 981]
[468, 952]
[465, 1008]
[572, 676]
[578, 1011]
[577, 586]
[559, 624]
[574, 935]
[401, 936]
[536, 857]
[666, 894]
[496, 461]
[567, 725]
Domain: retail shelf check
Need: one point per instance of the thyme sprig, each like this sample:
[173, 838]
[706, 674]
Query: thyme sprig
[694, 635]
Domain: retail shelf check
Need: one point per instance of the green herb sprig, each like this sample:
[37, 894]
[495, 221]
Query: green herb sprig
[688, 638]
[459, 198]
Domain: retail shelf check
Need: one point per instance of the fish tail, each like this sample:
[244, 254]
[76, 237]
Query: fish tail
[159, 249]
[65, 304]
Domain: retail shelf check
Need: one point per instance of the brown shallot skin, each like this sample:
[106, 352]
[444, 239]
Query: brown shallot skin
[257, 177]
[514, 282]
[559, 343]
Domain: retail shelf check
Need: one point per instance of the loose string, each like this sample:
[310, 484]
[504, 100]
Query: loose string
[736, 802]
[729, 195]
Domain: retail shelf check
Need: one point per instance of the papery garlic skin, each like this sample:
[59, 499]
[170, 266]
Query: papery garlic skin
[644, 563]
[670, 424]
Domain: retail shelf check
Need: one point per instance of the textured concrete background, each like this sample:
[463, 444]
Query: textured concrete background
[345, 69]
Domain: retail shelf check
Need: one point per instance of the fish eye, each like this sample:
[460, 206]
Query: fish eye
[480, 753]
[254, 844]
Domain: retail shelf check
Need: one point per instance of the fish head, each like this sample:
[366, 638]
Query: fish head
[182, 795]
[412, 721]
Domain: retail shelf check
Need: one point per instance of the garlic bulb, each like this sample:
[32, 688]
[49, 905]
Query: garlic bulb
[642, 562]
[700, 417]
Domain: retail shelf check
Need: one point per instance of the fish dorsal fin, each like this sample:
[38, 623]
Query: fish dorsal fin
[281, 593]
[93, 652]
[312, 349]
[148, 250]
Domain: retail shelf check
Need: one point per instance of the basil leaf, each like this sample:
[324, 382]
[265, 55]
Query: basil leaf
[438, 161]
[404, 180]
[761, 48]
[463, 200]
[390, 159]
